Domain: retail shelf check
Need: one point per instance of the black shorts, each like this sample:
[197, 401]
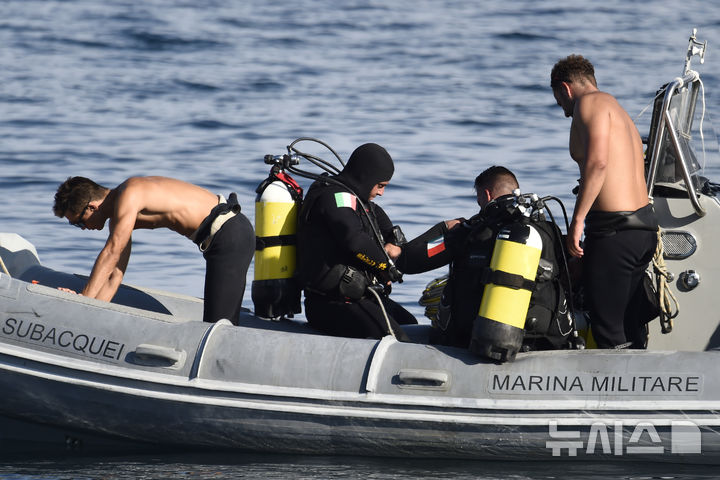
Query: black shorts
[613, 268]
[227, 260]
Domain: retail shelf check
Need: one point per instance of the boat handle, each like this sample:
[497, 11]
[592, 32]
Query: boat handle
[411, 377]
[147, 351]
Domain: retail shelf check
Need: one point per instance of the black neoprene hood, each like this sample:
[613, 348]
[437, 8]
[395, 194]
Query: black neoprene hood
[368, 165]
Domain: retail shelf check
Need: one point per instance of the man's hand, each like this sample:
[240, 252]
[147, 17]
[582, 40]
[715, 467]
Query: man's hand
[450, 224]
[393, 251]
[573, 238]
[65, 289]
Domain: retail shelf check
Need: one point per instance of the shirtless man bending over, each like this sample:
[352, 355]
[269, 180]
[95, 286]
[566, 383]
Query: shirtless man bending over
[224, 235]
[612, 203]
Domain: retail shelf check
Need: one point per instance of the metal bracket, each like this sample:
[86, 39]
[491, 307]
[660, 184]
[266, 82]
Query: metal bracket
[695, 48]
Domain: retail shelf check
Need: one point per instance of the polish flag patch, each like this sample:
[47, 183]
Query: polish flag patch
[345, 199]
[435, 246]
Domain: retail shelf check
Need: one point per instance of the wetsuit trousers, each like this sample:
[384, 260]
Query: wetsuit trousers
[613, 268]
[226, 264]
[357, 319]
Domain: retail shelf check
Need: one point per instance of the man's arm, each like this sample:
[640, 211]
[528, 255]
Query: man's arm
[112, 261]
[116, 277]
[594, 129]
[427, 251]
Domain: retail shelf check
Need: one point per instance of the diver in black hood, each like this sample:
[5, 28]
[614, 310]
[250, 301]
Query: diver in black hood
[342, 241]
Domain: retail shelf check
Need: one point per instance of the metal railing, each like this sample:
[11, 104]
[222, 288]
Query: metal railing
[665, 123]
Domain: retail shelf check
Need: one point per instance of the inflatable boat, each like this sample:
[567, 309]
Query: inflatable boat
[144, 373]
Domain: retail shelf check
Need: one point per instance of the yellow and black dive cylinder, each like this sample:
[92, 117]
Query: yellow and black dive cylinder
[498, 330]
[275, 292]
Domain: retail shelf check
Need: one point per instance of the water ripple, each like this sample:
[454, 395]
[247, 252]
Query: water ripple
[146, 40]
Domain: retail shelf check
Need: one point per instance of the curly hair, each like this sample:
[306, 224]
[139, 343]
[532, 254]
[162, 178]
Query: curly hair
[573, 68]
[74, 193]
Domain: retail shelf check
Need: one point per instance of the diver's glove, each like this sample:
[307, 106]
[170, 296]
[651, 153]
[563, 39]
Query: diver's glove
[398, 237]
[394, 274]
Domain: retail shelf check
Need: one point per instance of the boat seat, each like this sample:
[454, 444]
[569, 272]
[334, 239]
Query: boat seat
[247, 319]
[418, 333]
[126, 295]
[19, 261]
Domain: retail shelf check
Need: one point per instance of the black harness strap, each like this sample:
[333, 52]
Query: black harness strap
[275, 241]
[506, 279]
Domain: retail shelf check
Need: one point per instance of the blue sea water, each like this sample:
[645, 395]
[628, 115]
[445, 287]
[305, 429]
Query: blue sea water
[203, 90]
[208, 466]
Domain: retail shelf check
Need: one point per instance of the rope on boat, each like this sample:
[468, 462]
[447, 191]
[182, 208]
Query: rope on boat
[650, 104]
[382, 307]
[702, 119]
[662, 276]
[4, 268]
[431, 296]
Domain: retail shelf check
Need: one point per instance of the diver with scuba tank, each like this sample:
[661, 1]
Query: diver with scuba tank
[349, 253]
[343, 243]
[505, 290]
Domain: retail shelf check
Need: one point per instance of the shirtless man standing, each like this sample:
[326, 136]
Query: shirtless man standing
[612, 203]
[224, 235]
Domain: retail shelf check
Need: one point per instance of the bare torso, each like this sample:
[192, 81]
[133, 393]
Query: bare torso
[615, 138]
[161, 202]
[141, 202]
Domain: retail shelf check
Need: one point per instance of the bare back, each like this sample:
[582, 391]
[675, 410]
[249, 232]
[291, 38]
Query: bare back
[161, 202]
[602, 131]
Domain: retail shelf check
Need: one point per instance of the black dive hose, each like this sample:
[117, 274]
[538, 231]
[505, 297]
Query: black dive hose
[562, 207]
[558, 235]
[307, 156]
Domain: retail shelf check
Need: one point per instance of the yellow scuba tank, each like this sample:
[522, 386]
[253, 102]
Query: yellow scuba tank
[275, 292]
[498, 330]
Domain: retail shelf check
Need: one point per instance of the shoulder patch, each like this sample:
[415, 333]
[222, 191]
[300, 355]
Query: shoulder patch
[435, 246]
[345, 199]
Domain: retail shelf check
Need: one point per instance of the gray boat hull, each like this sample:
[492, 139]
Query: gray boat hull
[94, 376]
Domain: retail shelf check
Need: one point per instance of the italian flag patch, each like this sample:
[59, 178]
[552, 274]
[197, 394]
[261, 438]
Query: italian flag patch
[435, 246]
[345, 199]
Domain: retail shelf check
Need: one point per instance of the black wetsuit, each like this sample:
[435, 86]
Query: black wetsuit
[227, 259]
[618, 247]
[333, 234]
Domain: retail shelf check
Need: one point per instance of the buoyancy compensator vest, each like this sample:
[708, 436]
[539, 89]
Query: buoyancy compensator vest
[549, 322]
[343, 269]
[275, 291]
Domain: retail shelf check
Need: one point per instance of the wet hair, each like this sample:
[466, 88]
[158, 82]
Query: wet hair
[498, 180]
[573, 68]
[74, 194]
